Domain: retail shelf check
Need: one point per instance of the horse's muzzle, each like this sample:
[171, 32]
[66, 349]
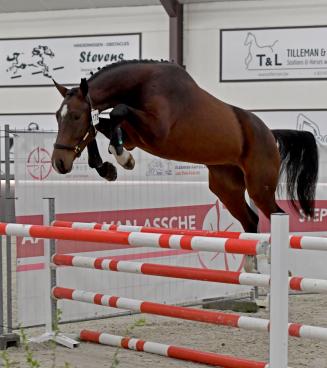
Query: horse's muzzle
[62, 164]
[59, 166]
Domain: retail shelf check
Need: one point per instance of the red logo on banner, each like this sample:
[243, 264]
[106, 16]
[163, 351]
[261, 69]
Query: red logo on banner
[219, 219]
[39, 163]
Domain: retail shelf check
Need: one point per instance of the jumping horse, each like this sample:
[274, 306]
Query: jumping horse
[160, 109]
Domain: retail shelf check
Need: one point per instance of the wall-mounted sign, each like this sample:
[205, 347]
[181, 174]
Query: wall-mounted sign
[262, 54]
[35, 61]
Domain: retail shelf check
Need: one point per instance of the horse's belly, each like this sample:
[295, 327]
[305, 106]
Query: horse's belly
[205, 145]
[197, 138]
[190, 152]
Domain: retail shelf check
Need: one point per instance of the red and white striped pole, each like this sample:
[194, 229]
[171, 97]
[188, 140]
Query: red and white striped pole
[134, 239]
[191, 273]
[171, 351]
[296, 242]
[160, 230]
[191, 314]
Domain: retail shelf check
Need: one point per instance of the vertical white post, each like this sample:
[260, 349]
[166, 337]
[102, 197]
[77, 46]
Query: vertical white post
[278, 352]
[49, 280]
[48, 310]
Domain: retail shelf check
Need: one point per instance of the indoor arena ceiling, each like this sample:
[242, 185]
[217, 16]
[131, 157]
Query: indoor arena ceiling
[11, 6]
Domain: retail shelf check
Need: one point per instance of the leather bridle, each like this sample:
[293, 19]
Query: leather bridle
[88, 137]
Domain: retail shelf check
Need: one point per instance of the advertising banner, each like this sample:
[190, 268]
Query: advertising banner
[35, 61]
[263, 54]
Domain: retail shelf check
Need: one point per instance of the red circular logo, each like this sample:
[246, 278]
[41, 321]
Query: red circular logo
[219, 219]
[39, 163]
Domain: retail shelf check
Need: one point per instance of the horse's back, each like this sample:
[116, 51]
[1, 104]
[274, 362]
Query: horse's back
[199, 127]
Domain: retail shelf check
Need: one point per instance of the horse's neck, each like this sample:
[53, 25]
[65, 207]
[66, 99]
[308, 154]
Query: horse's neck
[107, 89]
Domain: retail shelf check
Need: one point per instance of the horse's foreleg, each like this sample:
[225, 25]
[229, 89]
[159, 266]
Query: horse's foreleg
[94, 158]
[110, 128]
[105, 169]
[123, 157]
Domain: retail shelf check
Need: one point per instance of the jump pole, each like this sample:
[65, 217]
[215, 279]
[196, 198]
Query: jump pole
[191, 314]
[135, 239]
[296, 241]
[177, 352]
[148, 229]
[278, 342]
[296, 283]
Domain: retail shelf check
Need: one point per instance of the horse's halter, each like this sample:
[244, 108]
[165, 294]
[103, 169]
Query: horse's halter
[88, 137]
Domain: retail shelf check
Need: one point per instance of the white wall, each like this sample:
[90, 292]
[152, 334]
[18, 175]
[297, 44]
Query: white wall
[202, 50]
[201, 47]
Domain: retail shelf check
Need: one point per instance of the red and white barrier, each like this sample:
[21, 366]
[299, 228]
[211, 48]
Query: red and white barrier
[296, 242]
[171, 351]
[279, 328]
[135, 239]
[213, 317]
[191, 273]
[160, 230]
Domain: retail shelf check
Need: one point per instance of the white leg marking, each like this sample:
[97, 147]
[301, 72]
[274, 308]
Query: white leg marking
[121, 159]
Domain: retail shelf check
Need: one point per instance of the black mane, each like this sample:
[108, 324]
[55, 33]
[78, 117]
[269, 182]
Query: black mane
[126, 62]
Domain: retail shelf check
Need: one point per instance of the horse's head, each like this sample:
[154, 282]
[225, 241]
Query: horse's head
[75, 126]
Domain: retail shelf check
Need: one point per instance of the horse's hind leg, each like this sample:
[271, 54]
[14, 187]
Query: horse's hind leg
[227, 182]
[261, 179]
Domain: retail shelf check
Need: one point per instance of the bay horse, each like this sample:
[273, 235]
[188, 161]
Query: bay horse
[161, 109]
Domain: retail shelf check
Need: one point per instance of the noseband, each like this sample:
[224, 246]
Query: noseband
[88, 137]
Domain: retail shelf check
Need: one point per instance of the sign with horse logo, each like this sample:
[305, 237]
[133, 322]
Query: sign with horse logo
[35, 61]
[289, 53]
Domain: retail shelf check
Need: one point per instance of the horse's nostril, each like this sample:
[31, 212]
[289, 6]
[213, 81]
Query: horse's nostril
[61, 165]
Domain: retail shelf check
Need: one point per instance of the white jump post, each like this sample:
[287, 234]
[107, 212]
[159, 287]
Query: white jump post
[50, 317]
[278, 352]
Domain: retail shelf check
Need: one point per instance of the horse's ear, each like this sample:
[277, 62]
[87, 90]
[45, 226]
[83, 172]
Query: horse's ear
[63, 90]
[84, 87]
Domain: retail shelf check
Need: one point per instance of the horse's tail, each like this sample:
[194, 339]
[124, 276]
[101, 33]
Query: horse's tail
[300, 161]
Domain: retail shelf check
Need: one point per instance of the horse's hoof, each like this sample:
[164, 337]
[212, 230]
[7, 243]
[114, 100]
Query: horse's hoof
[130, 163]
[107, 171]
